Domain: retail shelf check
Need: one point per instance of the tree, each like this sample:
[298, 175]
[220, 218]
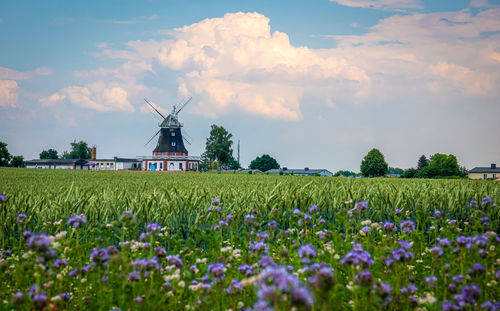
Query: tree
[440, 165]
[218, 145]
[409, 173]
[373, 164]
[344, 174]
[395, 170]
[264, 163]
[79, 150]
[233, 164]
[17, 161]
[422, 162]
[4, 154]
[49, 154]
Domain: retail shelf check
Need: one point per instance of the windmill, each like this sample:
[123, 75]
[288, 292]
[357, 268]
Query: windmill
[170, 141]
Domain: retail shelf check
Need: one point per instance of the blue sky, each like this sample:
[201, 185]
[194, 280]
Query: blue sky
[313, 83]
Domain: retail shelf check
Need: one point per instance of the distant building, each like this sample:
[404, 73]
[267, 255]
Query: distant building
[485, 172]
[115, 164]
[302, 172]
[247, 171]
[59, 164]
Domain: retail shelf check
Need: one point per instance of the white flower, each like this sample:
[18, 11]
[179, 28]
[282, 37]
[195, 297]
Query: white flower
[366, 222]
[61, 235]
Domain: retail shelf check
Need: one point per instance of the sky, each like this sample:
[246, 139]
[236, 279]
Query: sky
[314, 83]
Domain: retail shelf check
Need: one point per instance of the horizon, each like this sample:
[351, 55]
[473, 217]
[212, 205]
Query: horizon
[316, 84]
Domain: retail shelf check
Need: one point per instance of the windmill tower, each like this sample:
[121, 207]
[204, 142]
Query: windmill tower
[170, 152]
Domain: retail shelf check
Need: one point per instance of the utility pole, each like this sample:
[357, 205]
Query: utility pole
[239, 153]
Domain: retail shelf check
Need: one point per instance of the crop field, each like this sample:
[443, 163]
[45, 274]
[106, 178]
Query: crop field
[80, 240]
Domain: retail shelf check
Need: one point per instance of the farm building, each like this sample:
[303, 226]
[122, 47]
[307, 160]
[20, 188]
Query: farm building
[302, 172]
[60, 164]
[491, 172]
[115, 164]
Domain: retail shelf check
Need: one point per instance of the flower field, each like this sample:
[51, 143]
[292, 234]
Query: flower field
[104, 240]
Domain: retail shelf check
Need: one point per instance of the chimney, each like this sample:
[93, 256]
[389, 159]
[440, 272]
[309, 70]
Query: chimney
[94, 152]
[306, 168]
[493, 166]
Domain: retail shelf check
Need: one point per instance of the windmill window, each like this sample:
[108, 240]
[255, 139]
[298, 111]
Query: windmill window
[173, 133]
[173, 143]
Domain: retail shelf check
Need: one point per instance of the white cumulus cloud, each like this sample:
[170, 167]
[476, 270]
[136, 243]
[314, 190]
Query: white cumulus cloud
[9, 93]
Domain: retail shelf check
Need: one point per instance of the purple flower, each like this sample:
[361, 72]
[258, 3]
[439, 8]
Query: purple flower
[18, 297]
[234, 288]
[217, 270]
[175, 261]
[431, 281]
[364, 278]
[215, 202]
[389, 227]
[2, 197]
[146, 264]
[223, 223]
[313, 208]
[246, 269]
[361, 205]
[250, 220]
[449, 306]
[153, 228]
[486, 200]
[357, 256]
[218, 209]
[307, 252]
[323, 279]
[26, 234]
[307, 216]
[478, 269]
[76, 221]
[128, 216]
[472, 203]
[216, 227]
[263, 235]
[160, 252]
[73, 273]
[407, 226]
[229, 217]
[39, 243]
[99, 256]
[437, 251]
[21, 218]
[481, 240]
[398, 211]
[259, 247]
[40, 300]
[382, 289]
[296, 211]
[437, 214]
[60, 263]
[138, 299]
[443, 242]
[65, 296]
[273, 224]
[491, 305]
[366, 229]
[134, 276]
[266, 261]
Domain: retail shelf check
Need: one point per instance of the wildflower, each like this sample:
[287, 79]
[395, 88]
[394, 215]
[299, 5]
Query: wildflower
[259, 247]
[472, 203]
[407, 226]
[273, 224]
[382, 289]
[357, 256]
[478, 269]
[361, 205]
[234, 287]
[389, 227]
[449, 306]
[364, 278]
[491, 305]
[229, 217]
[39, 243]
[313, 208]
[246, 269]
[77, 220]
[2, 197]
[250, 220]
[443, 242]
[39, 300]
[410, 289]
[323, 279]
[436, 251]
[153, 228]
[21, 218]
[216, 227]
[18, 297]
[431, 281]
[215, 202]
[60, 263]
[266, 261]
[307, 252]
[223, 223]
[99, 256]
[263, 235]
[398, 211]
[175, 261]
[134, 276]
[218, 209]
[138, 299]
[296, 211]
[27, 234]
[486, 200]
[366, 229]
[217, 270]
[307, 216]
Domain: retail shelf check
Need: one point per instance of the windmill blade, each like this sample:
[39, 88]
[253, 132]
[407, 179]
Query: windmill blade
[185, 133]
[185, 139]
[152, 138]
[154, 114]
[184, 105]
[147, 101]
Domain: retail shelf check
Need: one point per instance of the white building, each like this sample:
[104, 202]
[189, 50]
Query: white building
[60, 164]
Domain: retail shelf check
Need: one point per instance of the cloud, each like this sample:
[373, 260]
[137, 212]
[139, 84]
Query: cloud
[97, 96]
[382, 4]
[482, 4]
[9, 93]
[6, 73]
[235, 63]
[135, 20]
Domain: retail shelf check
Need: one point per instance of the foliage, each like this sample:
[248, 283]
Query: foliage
[373, 164]
[218, 145]
[270, 242]
[49, 154]
[440, 165]
[79, 150]
[422, 162]
[233, 163]
[409, 173]
[345, 174]
[17, 161]
[4, 154]
[264, 163]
